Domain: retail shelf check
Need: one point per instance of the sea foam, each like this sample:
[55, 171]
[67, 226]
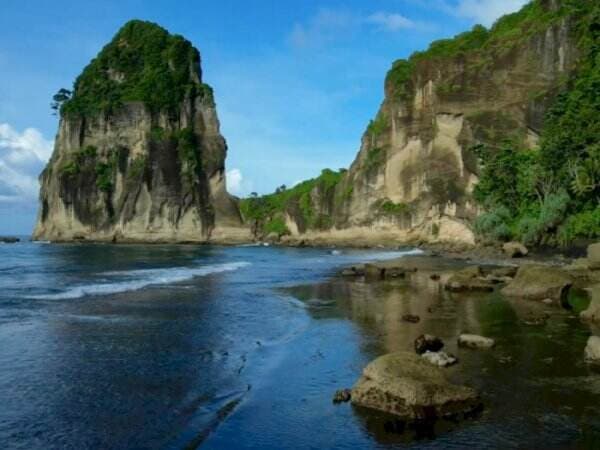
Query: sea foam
[133, 280]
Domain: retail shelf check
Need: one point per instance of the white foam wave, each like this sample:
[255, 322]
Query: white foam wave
[133, 280]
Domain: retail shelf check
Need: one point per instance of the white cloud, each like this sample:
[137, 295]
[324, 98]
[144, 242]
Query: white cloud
[390, 21]
[236, 184]
[22, 157]
[329, 25]
[485, 11]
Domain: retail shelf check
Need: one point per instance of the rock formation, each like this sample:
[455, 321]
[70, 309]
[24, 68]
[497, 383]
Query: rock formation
[139, 155]
[414, 174]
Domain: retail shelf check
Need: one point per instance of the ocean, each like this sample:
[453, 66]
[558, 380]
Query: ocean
[184, 346]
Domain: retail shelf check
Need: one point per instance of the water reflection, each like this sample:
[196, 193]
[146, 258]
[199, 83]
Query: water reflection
[534, 383]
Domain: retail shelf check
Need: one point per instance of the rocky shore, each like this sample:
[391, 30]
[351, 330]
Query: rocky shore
[412, 386]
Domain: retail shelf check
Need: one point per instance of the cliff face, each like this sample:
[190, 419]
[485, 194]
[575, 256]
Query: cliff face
[417, 165]
[139, 155]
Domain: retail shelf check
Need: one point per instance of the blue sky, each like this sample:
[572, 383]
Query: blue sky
[295, 81]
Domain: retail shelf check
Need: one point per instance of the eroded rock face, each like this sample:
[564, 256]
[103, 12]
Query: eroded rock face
[406, 385]
[135, 171]
[539, 283]
[413, 177]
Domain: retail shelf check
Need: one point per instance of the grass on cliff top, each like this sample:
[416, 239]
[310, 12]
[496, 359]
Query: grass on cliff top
[143, 62]
[481, 43]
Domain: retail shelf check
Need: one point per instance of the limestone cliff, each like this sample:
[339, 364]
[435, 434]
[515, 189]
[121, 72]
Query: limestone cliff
[417, 165]
[139, 155]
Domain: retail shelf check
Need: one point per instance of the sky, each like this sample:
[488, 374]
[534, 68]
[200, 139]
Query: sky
[295, 82]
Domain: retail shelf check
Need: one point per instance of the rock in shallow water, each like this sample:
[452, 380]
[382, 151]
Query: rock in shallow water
[406, 385]
[474, 341]
[411, 318]
[468, 279]
[592, 350]
[439, 359]
[342, 396]
[539, 283]
[428, 343]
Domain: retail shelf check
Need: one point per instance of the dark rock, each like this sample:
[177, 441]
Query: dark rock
[354, 271]
[9, 239]
[428, 343]
[342, 396]
[411, 318]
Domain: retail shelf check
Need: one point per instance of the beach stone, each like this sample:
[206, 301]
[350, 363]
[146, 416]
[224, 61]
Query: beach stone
[535, 282]
[504, 272]
[475, 342]
[468, 279]
[411, 318]
[593, 256]
[406, 385]
[342, 396]
[439, 359]
[514, 249]
[428, 343]
[354, 271]
[592, 350]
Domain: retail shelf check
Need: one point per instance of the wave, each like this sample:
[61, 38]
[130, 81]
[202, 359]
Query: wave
[133, 280]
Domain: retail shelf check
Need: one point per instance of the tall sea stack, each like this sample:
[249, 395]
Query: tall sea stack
[139, 155]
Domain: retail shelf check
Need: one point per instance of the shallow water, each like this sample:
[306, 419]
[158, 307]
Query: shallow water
[242, 347]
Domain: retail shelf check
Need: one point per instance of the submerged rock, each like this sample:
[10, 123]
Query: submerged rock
[539, 283]
[342, 396]
[514, 249]
[354, 271]
[469, 279]
[439, 359]
[406, 385]
[592, 350]
[476, 342]
[428, 343]
[504, 272]
[411, 318]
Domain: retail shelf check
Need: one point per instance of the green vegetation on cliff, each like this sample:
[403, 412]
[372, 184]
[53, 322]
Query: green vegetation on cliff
[267, 212]
[143, 62]
[481, 46]
[551, 194]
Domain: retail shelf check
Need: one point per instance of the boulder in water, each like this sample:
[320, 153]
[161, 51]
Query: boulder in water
[538, 283]
[406, 385]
